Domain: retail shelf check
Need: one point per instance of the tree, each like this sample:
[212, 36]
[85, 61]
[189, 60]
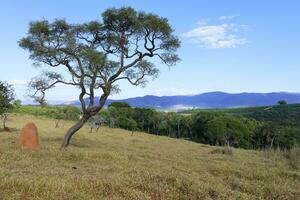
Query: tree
[119, 105]
[268, 135]
[227, 130]
[127, 123]
[98, 54]
[6, 100]
[38, 85]
[17, 104]
[186, 124]
[199, 125]
[282, 102]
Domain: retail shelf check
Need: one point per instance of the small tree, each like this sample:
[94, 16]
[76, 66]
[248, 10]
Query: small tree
[36, 89]
[96, 121]
[6, 100]
[98, 54]
[17, 104]
[282, 102]
[58, 115]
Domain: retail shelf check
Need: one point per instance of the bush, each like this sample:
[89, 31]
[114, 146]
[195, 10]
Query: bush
[55, 112]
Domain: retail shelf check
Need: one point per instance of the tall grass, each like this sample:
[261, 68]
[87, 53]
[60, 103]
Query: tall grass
[290, 156]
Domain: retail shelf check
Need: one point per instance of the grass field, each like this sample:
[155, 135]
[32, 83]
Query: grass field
[113, 164]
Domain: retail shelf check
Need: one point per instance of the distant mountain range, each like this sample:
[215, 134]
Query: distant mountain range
[205, 100]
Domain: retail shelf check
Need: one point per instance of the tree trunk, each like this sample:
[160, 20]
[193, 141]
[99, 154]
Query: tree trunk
[57, 124]
[178, 129]
[5, 116]
[272, 141]
[73, 130]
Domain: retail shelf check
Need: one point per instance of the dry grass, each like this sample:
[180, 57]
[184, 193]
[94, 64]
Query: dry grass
[226, 150]
[112, 164]
[291, 156]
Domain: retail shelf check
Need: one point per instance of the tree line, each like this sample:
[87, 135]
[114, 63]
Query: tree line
[214, 128]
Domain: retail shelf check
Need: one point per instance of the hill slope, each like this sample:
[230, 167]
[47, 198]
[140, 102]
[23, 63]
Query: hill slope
[208, 100]
[113, 164]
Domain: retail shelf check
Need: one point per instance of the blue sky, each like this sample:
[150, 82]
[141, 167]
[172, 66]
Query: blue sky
[229, 45]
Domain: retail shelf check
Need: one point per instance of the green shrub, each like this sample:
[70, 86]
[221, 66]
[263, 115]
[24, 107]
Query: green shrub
[55, 112]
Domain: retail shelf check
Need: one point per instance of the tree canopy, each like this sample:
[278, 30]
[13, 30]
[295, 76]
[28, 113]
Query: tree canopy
[119, 105]
[282, 102]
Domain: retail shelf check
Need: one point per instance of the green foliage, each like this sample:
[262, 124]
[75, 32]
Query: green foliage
[127, 123]
[271, 135]
[215, 128]
[282, 102]
[287, 115]
[226, 130]
[6, 97]
[17, 103]
[119, 105]
[56, 112]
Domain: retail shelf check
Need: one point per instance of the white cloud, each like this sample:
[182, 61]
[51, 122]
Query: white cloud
[228, 17]
[224, 35]
[18, 82]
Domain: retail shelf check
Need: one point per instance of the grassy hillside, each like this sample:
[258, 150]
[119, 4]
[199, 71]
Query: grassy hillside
[114, 164]
[283, 114]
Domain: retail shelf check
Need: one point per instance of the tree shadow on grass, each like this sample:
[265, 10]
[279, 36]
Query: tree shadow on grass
[8, 130]
[83, 143]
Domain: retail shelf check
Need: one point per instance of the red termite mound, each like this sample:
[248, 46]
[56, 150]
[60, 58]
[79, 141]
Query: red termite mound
[29, 138]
